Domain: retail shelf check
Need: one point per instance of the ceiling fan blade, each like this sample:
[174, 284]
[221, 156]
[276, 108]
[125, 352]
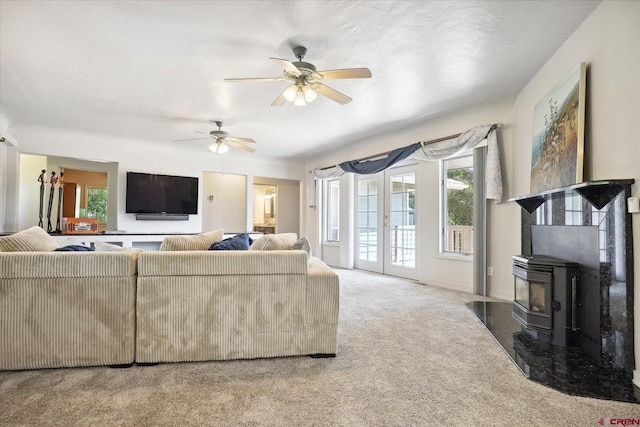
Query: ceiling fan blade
[204, 133]
[239, 139]
[333, 94]
[257, 79]
[287, 66]
[347, 73]
[192, 139]
[279, 100]
[238, 145]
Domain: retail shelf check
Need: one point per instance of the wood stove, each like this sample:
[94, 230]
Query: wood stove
[547, 298]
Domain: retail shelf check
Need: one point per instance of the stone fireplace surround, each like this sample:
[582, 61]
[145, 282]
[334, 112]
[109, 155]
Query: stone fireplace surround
[562, 223]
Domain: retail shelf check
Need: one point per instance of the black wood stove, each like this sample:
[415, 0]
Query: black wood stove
[547, 298]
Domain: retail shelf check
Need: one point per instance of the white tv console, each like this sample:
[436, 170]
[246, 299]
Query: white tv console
[145, 241]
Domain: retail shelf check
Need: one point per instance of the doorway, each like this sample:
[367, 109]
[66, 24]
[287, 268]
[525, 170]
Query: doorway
[386, 222]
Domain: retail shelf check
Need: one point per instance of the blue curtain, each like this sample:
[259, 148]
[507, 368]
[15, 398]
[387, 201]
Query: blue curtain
[374, 166]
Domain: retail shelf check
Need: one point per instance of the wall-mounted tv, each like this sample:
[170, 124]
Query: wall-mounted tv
[161, 194]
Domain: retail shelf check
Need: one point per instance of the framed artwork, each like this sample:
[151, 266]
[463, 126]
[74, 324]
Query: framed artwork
[558, 134]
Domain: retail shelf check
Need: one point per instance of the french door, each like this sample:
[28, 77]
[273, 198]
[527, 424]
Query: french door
[386, 229]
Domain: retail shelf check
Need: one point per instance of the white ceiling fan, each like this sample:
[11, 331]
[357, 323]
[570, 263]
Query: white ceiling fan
[221, 140]
[305, 80]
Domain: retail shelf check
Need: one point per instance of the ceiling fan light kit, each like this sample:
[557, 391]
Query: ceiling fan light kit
[218, 147]
[222, 140]
[305, 85]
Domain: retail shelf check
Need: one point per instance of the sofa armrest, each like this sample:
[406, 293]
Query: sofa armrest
[48, 265]
[323, 294]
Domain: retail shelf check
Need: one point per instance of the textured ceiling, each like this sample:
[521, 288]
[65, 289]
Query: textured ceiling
[154, 70]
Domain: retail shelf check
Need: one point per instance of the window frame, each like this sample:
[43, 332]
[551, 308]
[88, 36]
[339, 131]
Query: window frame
[443, 251]
[331, 217]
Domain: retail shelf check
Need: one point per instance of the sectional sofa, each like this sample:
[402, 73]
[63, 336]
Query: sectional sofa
[119, 307]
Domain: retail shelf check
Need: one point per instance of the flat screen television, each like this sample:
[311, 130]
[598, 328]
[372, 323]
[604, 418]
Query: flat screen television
[161, 194]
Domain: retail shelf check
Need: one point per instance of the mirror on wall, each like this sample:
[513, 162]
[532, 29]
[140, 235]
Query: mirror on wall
[264, 208]
[276, 205]
[52, 188]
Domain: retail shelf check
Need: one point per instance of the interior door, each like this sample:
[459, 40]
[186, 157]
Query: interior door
[385, 221]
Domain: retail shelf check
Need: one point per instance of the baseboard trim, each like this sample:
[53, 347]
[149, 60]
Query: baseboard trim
[636, 378]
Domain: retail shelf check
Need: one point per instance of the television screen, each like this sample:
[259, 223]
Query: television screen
[161, 194]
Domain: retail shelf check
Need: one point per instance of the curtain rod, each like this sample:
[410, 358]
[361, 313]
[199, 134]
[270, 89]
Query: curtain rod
[431, 141]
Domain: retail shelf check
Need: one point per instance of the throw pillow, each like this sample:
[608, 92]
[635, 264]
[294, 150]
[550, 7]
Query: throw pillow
[70, 241]
[239, 242]
[198, 242]
[74, 248]
[107, 247]
[33, 239]
[302, 244]
[274, 242]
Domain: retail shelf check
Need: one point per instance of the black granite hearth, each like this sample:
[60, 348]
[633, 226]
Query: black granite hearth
[566, 369]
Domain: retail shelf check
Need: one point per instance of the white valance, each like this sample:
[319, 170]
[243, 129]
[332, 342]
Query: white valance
[433, 151]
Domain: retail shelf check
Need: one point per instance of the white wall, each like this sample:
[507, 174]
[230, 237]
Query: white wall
[609, 42]
[153, 157]
[228, 208]
[29, 203]
[9, 160]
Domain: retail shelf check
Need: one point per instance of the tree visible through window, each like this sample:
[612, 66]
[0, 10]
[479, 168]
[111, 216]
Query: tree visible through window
[458, 205]
[97, 204]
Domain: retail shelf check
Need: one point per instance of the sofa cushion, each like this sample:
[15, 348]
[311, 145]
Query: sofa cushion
[239, 242]
[33, 239]
[274, 242]
[198, 242]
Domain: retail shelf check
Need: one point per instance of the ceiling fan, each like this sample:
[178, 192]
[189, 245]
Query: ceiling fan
[221, 140]
[305, 85]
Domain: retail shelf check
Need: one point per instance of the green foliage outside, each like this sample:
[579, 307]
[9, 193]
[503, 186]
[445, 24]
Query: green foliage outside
[460, 202]
[97, 204]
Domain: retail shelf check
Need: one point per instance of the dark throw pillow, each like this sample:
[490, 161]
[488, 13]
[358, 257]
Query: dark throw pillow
[74, 248]
[239, 242]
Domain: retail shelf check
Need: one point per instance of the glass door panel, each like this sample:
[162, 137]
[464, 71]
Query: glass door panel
[368, 223]
[400, 224]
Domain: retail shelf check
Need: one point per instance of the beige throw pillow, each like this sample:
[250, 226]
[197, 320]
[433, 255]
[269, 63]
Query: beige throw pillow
[274, 242]
[33, 239]
[107, 247]
[198, 242]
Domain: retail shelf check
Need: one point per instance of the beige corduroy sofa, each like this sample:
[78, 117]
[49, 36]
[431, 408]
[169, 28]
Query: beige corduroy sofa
[68, 309]
[62, 309]
[221, 305]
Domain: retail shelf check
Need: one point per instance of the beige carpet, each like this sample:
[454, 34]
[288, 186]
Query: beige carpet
[409, 354]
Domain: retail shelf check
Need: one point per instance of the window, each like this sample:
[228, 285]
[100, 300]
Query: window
[332, 210]
[457, 205]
